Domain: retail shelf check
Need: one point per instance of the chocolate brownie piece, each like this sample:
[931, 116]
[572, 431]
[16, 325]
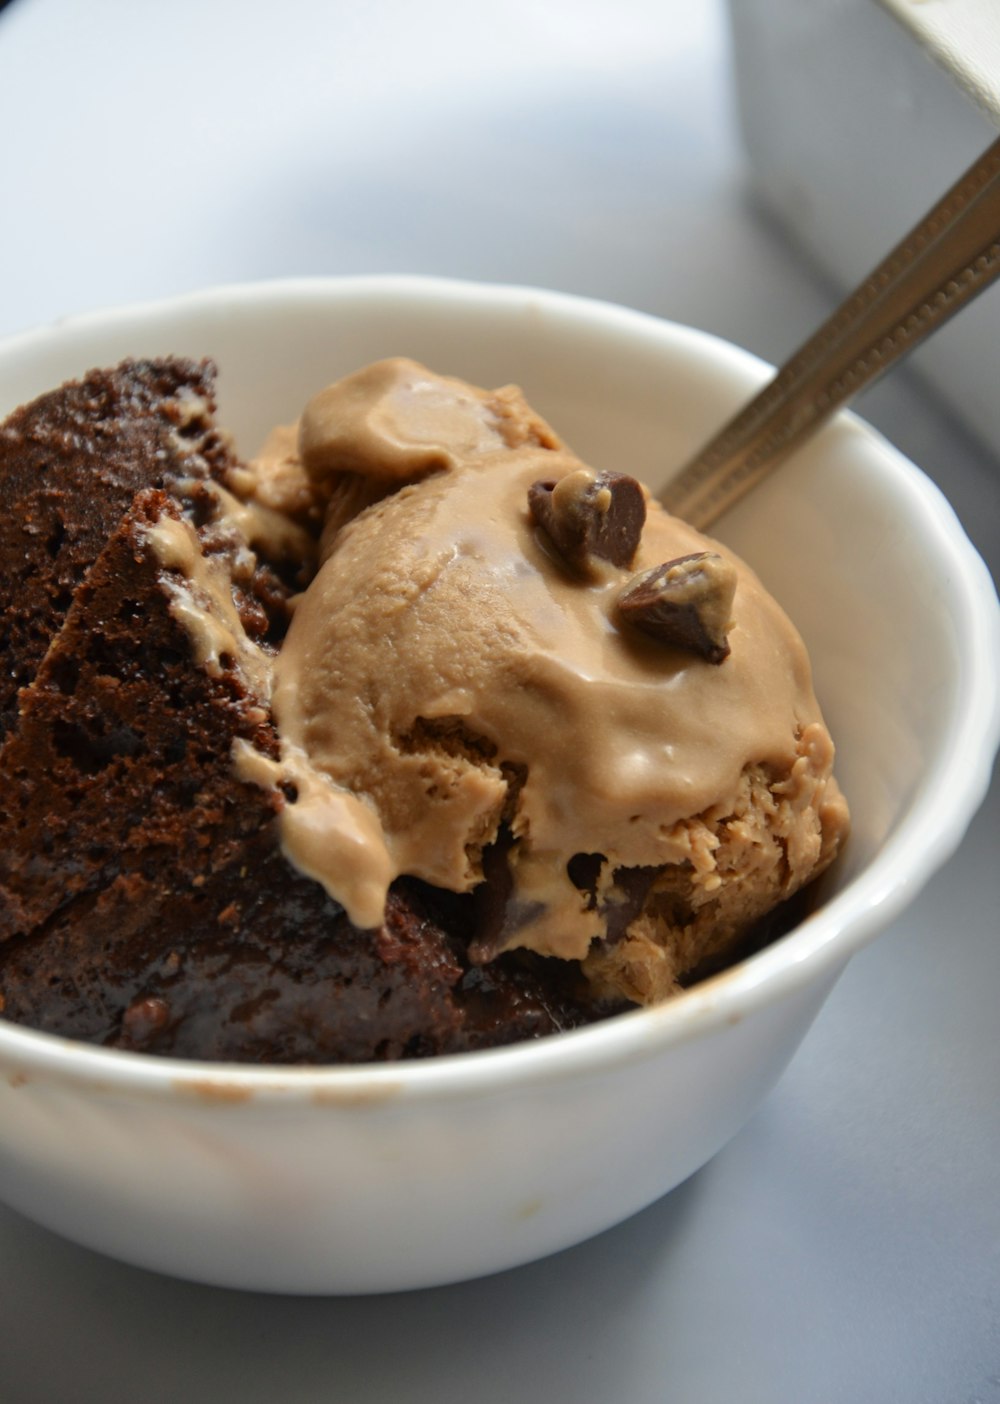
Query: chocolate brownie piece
[70, 464]
[121, 758]
[277, 976]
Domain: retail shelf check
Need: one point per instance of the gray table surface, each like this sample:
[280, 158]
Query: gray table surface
[846, 1246]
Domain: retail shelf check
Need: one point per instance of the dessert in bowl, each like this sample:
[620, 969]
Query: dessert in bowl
[382, 1176]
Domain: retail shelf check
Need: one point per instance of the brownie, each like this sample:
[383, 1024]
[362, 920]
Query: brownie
[145, 902]
[72, 461]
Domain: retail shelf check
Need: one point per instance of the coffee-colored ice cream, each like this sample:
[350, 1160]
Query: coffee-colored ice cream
[474, 694]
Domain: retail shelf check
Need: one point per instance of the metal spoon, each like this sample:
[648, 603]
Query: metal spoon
[944, 262]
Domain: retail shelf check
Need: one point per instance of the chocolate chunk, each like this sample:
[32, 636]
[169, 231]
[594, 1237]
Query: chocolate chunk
[143, 1020]
[590, 516]
[685, 603]
[626, 899]
[498, 914]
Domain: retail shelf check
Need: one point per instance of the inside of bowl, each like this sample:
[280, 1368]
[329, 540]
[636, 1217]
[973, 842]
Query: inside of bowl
[853, 541]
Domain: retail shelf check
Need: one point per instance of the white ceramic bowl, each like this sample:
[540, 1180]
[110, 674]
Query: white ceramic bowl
[369, 1179]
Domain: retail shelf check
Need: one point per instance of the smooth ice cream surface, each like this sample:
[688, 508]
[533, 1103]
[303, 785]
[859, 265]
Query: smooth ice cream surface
[460, 703]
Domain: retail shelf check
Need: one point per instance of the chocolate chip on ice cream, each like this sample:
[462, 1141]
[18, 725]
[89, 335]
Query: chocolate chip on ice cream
[686, 603]
[590, 516]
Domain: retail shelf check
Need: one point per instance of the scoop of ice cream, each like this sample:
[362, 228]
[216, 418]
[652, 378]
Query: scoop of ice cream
[453, 685]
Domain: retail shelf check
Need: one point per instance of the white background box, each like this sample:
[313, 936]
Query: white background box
[857, 116]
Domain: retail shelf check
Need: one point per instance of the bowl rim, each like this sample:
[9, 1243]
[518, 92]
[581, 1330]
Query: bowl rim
[935, 822]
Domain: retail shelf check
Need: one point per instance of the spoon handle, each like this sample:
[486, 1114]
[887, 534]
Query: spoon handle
[943, 263]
